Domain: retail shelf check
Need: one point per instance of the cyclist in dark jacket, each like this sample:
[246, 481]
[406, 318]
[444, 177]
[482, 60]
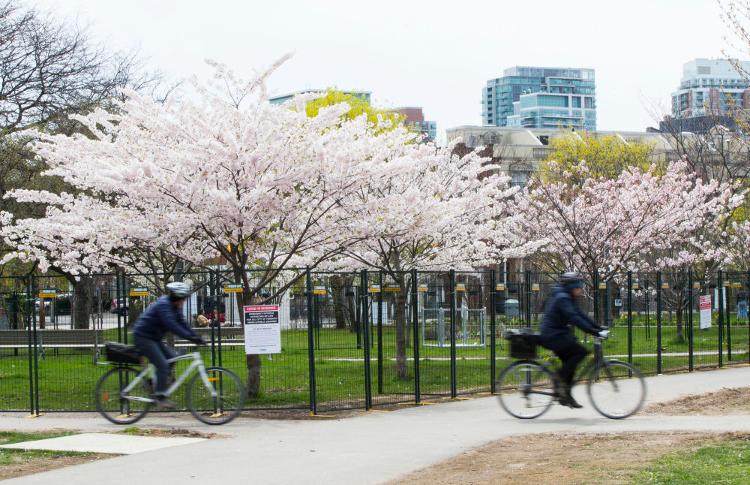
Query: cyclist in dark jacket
[560, 314]
[163, 316]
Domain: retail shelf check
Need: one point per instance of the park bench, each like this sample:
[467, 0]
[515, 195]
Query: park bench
[50, 338]
[230, 336]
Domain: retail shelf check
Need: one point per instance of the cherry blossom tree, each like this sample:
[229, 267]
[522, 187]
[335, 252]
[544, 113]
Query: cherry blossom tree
[265, 187]
[444, 211]
[641, 220]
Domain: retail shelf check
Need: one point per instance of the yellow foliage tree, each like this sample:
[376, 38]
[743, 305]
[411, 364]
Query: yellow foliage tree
[605, 157]
[378, 117]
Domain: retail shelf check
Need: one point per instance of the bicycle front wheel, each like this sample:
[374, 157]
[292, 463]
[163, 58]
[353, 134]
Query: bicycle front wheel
[118, 405]
[217, 401]
[616, 389]
[525, 389]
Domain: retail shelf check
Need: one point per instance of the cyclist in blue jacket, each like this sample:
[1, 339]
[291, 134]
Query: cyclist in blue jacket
[560, 314]
[163, 316]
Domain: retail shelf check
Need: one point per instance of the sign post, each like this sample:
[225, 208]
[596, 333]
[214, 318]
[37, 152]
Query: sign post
[138, 291]
[704, 305]
[262, 329]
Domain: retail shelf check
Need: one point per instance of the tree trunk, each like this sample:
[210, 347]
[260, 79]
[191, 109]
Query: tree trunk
[253, 375]
[82, 303]
[680, 336]
[339, 286]
[402, 371]
[252, 361]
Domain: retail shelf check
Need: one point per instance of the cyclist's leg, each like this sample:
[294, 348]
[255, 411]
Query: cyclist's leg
[152, 349]
[169, 353]
[571, 353]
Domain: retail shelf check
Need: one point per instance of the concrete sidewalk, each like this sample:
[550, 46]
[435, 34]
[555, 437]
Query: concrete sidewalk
[367, 449]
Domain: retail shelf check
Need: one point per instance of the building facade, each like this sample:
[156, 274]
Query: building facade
[541, 97]
[710, 90]
[520, 151]
[363, 95]
[710, 87]
[414, 117]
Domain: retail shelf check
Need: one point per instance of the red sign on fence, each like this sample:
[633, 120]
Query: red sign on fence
[704, 304]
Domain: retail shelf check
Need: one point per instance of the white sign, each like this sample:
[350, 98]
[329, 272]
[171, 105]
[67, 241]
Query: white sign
[262, 329]
[705, 308]
[618, 302]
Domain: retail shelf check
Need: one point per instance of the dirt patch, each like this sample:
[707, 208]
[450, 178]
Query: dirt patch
[562, 459]
[167, 433]
[19, 463]
[719, 403]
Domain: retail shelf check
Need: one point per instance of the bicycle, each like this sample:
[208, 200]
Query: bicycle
[214, 395]
[616, 389]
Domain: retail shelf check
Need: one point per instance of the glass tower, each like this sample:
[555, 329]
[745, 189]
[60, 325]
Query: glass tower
[541, 97]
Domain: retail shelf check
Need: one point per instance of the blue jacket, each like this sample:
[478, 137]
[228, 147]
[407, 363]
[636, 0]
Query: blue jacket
[162, 317]
[560, 313]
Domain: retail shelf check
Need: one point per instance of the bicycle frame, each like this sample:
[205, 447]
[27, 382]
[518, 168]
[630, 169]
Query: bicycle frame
[150, 370]
[594, 363]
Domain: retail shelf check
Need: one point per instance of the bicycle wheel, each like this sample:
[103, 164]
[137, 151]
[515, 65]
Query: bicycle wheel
[225, 405]
[113, 405]
[525, 389]
[613, 393]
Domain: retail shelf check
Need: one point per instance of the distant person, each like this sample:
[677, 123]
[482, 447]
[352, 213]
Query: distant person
[741, 305]
[201, 320]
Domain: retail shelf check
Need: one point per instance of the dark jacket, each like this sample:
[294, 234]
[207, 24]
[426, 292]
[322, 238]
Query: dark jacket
[560, 313]
[162, 317]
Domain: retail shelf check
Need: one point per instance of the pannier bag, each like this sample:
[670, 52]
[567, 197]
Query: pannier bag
[523, 343]
[121, 353]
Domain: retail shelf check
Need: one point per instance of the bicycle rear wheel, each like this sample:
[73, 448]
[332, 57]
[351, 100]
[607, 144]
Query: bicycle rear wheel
[222, 407]
[613, 393]
[110, 401]
[525, 389]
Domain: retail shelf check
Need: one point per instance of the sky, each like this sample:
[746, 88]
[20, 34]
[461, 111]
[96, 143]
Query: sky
[434, 54]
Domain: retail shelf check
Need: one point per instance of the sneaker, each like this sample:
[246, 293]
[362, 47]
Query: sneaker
[558, 387]
[161, 402]
[573, 403]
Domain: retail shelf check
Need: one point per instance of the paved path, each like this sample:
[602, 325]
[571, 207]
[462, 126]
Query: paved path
[367, 449]
[117, 444]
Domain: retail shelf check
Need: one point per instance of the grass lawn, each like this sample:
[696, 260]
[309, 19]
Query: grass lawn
[15, 463]
[67, 376]
[726, 463]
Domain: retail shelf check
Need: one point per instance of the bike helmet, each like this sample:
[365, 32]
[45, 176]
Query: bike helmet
[178, 290]
[571, 280]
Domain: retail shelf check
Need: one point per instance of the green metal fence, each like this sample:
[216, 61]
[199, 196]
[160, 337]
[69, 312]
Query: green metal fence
[362, 339]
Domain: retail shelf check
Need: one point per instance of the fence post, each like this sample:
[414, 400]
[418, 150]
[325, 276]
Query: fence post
[380, 332]
[690, 320]
[30, 341]
[747, 300]
[126, 299]
[310, 342]
[452, 296]
[528, 298]
[630, 317]
[366, 340]
[493, 331]
[34, 291]
[415, 332]
[728, 317]
[658, 323]
[219, 292]
[719, 288]
[595, 293]
[212, 285]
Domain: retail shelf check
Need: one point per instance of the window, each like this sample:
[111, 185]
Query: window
[519, 179]
[589, 102]
[576, 101]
